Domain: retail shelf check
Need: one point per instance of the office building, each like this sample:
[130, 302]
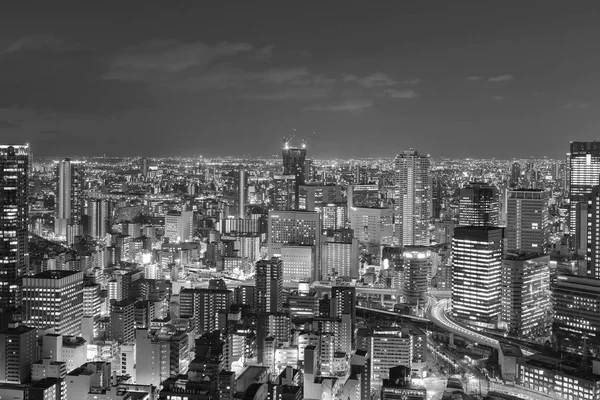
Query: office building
[340, 258]
[312, 195]
[334, 215]
[476, 275]
[14, 210]
[526, 295]
[122, 321]
[515, 174]
[144, 167]
[576, 316]
[416, 261]
[478, 205]
[364, 196]
[528, 224]
[283, 193]
[54, 299]
[412, 199]
[298, 263]
[588, 232]
[584, 174]
[18, 351]
[294, 160]
[269, 286]
[69, 196]
[389, 348]
[295, 228]
[372, 226]
[161, 353]
[97, 218]
[179, 226]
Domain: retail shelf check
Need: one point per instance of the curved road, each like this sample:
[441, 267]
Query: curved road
[436, 311]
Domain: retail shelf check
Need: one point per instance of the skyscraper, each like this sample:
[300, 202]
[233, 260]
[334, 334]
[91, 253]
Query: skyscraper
[478, 205]
[269, 286]
[588, 232]
[294, 159]
[14, 168]
[417, 267]
[584, 173]
[515, 174]
[526, 296]
[54, 299]
[242, 181]
[283, 193]
[527, 225]
[69, 199]
[412, 196]
[476, 275]
[98, 215]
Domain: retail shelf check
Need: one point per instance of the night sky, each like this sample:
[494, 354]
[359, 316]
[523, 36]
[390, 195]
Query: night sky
[159, 78]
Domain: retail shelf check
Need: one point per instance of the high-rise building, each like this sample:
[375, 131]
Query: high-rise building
[203, 306]
[122, 321]
[98, 215]
[14, 168]
[179, 226]
[18, 345]
[576, 316]
[478, 205]
[588, 232]
[361, 175]
[269, 286]
[340, 258]
[416, 269]
[476, 275]
[515, 174]
[69, 196]
[242, 182]
[528, 224]
[295, 228]
[298, 263]
[389, 348]
[412, 199]
[372, 226]
[584, 173]
[144, 167]
[294, 160]
[526, 295]
[283, 193]
[363, 196]
[54, 299]
[314, 194]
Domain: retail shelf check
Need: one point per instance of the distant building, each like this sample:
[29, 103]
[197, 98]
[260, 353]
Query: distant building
[179, 226]
[412, 199]
[269, 286]
[584, 174]
[69, 199]
[18, 351]
[372, 226]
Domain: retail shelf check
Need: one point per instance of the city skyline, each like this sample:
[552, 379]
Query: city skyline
[265, 70]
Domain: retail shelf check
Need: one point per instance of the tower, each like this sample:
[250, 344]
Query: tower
[69, 199]
[269, 286]
[584, 173]
[412, 196]
[478, 205]
[242, 193]
[14, 168]
[527, 221]
[476, 275]
[294, 159]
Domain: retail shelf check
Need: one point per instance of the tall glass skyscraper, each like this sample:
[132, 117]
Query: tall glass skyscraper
[584, 173]
[14, 168]
[69, 199]
[412, 196]
[294, 159]
[478, 205]
[476, 275]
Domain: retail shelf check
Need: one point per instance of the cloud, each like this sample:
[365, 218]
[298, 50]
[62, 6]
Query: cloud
[9, 124]
[156, 60]
[473, 78]
[401, 94]
[377, 79]
[414, 81]
[351, 105]
[498, 97]
[46, 42]
[576, 105]
[500, 78]
[292, 93]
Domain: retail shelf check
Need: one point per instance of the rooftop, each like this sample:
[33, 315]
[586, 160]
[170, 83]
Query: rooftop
[54, 274]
